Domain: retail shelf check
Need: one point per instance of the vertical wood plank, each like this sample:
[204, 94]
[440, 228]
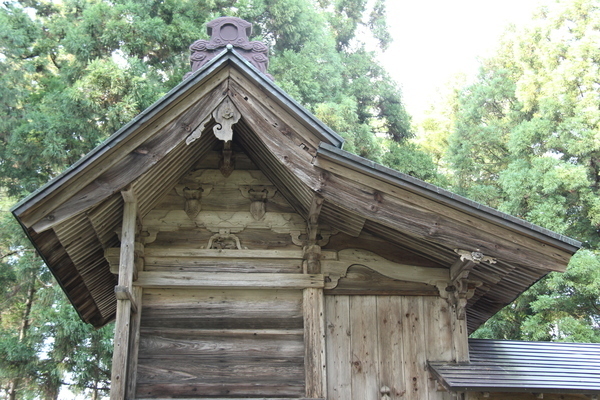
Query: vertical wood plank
[414, 346]
[339, 361]
[314, 342]
[123, 318]
[438, 338]
[134, 344]
[391, 368]
[364, 338]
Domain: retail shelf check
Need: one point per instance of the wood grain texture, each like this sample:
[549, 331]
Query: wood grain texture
[221, 343]
[314, 343]
[211, 280]
[438, 339]
[132, 165]
[103, 161]
[414, 350]
[134, 345]
[391, 362]
[338, 345]
[384, 341]
[360, 280]
[364, 348]
[118, 377]
[481, 234]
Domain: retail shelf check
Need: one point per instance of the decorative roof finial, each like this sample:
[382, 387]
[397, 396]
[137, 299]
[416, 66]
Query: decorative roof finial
[225, 33]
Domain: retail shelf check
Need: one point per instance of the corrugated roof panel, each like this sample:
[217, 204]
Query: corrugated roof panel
[514, 366]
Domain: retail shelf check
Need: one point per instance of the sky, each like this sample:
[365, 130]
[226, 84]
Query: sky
[436, 39]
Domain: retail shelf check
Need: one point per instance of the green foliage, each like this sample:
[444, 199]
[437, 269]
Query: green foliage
[526, 140]
[73, 72]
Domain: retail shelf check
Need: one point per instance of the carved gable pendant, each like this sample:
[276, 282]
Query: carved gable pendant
[225, 116]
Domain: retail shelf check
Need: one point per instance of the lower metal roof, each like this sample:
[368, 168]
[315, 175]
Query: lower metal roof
[515, 366]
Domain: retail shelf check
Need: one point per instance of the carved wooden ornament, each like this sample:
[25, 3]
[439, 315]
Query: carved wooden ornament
[229, 33]
[258, 196]
[225, 116]
[193, 198]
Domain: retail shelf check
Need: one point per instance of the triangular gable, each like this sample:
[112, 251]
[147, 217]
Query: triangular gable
[73, 219]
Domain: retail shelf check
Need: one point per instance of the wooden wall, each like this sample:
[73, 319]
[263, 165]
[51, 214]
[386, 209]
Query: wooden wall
[375, 342]
[221, 343]
[250, 343]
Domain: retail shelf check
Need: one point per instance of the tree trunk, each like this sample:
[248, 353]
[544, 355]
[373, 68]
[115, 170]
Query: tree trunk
[14, 383]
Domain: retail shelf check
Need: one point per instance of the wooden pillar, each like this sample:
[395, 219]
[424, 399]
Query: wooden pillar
[314, 343]
[134, 344]
[124, 298]
[460, 337]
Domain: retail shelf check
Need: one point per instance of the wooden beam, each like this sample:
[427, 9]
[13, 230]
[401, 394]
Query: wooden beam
[123, 293]
[336, 269]
[128, 167]
[123, 318]
[171, 257]
[418, 217]
[460, 269]
[314, 343]
[245, 398]
[217, 280]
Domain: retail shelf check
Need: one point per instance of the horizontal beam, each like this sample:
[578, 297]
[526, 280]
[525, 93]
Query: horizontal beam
[166, 256]
[217, 280]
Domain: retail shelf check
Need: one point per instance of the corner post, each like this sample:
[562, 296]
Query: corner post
[124, 302]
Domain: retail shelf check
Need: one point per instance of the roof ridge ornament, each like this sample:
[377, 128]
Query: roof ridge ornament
[227, 33]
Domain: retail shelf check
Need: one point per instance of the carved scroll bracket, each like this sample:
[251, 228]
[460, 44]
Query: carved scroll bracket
[225, 116]
[457, 293]
[258, 195]
[148, 235]
[193, 196]
[300, 238]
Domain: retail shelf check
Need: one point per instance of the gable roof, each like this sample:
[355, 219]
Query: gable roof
[514, 366]
[72, 219]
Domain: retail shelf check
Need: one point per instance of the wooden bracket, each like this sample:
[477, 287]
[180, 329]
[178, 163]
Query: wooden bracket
[193, 197]
[123, 293]
[227, 163]
[258, 195]
[313, 218]
[337, 269]
[457, 293]
[312, 256]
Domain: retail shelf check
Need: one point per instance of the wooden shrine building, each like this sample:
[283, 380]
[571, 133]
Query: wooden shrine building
[244, 254]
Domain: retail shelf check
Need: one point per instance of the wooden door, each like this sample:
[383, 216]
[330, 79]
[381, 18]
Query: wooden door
[376, 343]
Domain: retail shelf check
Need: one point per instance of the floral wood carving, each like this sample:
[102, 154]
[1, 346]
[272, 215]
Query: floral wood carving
[233, 33]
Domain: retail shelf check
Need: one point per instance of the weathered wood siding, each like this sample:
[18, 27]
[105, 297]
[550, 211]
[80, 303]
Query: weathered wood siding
[378, 342]
[221, 343]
